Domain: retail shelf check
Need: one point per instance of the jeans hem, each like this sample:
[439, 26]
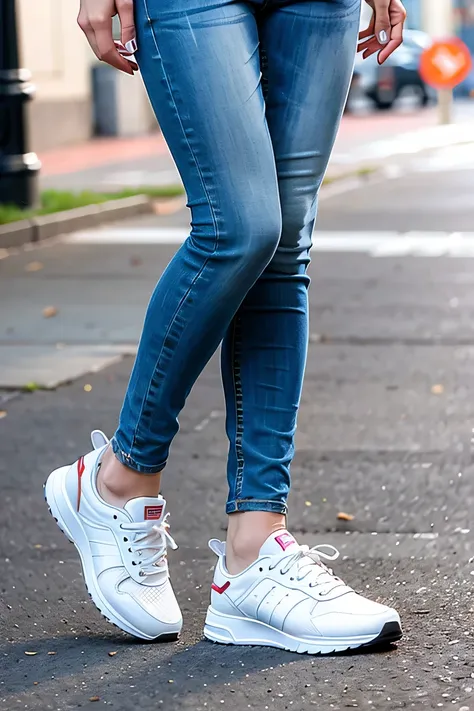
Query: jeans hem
[256, 505]
[131, 463]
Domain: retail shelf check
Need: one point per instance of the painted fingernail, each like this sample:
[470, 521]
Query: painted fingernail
[131, 45]
[383, 37]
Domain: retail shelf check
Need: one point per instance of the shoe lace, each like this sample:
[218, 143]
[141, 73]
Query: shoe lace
[307, 564]
[152, 539]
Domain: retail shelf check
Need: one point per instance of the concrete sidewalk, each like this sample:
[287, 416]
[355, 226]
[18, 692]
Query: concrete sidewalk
[383, 435]
[364, 140]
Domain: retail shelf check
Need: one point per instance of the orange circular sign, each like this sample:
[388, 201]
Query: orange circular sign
[445, 64]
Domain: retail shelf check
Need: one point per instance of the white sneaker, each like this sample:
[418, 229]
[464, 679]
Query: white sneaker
[289, 599]
[123, 551]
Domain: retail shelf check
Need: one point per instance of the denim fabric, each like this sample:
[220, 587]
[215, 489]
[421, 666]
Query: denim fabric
[249, 97]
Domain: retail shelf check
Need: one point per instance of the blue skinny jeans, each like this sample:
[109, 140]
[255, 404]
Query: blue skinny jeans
[249, 96]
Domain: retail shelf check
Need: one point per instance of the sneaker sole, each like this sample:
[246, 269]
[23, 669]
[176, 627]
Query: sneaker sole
[61, 510]
[229, 629]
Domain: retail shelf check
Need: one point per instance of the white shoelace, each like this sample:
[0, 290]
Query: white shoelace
[307, 563]
[154, 540]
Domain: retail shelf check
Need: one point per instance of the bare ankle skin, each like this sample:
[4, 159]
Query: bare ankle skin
[246, 533]
[117, 484]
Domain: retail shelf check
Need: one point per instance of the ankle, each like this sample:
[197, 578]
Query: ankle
[246, 533]
[117, 483]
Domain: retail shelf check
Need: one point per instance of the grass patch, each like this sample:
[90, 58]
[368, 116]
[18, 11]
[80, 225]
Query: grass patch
[52, 201]
[362, 172]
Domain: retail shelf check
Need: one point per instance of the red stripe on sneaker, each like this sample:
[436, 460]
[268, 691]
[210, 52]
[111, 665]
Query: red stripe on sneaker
[222, 589]
[81, 466]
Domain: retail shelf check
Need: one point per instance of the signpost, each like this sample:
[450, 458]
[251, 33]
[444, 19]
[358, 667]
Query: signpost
[443, 66]
[18, 167]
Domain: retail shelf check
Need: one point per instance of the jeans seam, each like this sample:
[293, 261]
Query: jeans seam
[259, 501]
[235, 505]
[128, 461]
[211, 208]
[239, 414]
[346, 12]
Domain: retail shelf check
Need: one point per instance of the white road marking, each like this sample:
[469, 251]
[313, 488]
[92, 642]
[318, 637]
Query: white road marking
[446, 159]
[130, 235]
[138, 178]
[374, 244]
[213, 415]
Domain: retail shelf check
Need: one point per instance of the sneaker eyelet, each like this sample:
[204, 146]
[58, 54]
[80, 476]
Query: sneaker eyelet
[260, 570]
[141, 574]
[115, 516]
[125, 540]
[291, 579]
[133, 562]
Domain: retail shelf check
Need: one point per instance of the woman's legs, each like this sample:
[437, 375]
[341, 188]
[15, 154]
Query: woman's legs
[209, 103]
[307, 52]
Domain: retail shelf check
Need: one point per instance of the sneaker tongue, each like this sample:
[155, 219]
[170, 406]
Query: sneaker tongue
[278, 543]
[146, 508]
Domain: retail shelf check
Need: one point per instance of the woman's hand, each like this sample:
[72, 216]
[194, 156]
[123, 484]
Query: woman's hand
[385, 31]
[95, 19]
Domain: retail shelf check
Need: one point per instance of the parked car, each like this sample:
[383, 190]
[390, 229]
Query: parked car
[398, 76]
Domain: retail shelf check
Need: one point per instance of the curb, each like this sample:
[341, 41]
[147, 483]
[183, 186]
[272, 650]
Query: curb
[36, 229]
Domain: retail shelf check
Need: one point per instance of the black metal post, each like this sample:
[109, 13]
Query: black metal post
[18, 168]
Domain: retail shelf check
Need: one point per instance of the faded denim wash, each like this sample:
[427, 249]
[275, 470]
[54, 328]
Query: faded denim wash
[249, 97]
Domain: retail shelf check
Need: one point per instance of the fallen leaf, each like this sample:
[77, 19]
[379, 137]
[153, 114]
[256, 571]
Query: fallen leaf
[31, 654]
[308, 503]
[3, 413]
[34, 266]
[37, 545]
[87, 388]
[345, 516]
[94, 698]
[36, 683]
[112, 654]
[50, 311]
[51, 654]
[437, 389]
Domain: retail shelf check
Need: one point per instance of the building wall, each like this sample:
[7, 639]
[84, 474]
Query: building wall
[414, 17]
[53, 48]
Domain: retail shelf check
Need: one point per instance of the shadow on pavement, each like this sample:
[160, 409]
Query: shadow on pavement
[60, 658]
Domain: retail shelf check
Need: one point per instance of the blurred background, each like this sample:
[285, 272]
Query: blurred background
[93, 99]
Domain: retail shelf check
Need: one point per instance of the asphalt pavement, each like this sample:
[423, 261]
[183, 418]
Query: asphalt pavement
[384, 435]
